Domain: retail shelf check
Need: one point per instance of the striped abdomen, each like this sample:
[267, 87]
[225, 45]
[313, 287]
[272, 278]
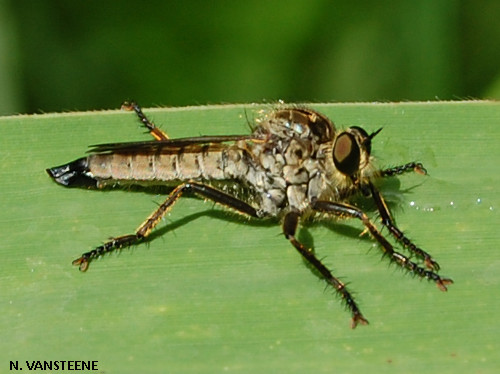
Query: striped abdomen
[99, 170]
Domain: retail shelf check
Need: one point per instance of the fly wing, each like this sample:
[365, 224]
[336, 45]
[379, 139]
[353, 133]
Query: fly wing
[192, 144]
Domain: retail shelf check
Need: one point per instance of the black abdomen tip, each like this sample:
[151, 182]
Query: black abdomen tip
[74, 174]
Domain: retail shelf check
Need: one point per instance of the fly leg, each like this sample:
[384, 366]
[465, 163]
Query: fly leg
[290, 224]
[149, 224]
[344, 210]
[416, 167]
[388, 222]
[153, 130]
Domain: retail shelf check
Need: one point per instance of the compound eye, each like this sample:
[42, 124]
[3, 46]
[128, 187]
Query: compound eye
[346, 154]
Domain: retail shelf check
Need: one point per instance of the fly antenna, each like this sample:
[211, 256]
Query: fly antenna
[372, 135]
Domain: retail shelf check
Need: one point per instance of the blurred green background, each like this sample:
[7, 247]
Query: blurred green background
[58, 55]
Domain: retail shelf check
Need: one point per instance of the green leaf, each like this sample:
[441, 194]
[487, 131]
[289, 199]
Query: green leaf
[216, 292]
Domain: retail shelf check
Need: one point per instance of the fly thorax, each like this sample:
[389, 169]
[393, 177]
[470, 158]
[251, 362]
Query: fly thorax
[297, 151]
[297, 197]
[272, 201]
[234, 163]
[296, 174]
[271, 160]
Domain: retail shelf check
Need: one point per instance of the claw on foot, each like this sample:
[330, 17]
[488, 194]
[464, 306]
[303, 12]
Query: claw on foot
[358, 318]
[442, 283]
[82, 263]
[431, 264]
[419, 168]
[129, 106]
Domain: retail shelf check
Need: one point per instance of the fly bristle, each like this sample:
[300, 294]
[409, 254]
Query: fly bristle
[74, 174]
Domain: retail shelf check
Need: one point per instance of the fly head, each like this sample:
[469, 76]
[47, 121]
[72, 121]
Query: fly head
[351, 150]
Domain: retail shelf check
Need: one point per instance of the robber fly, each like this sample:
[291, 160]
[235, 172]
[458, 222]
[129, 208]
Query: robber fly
[294, 165]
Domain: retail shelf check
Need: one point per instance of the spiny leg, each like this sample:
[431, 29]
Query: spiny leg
[416, 167]
[344, 210]
[149, 224]
[153, 130]
[290, 224]
[388, 222]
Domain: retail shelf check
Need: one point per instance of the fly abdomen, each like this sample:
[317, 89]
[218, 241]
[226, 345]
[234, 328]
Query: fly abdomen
[74, 174]
[150, 168]
[155, 168]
